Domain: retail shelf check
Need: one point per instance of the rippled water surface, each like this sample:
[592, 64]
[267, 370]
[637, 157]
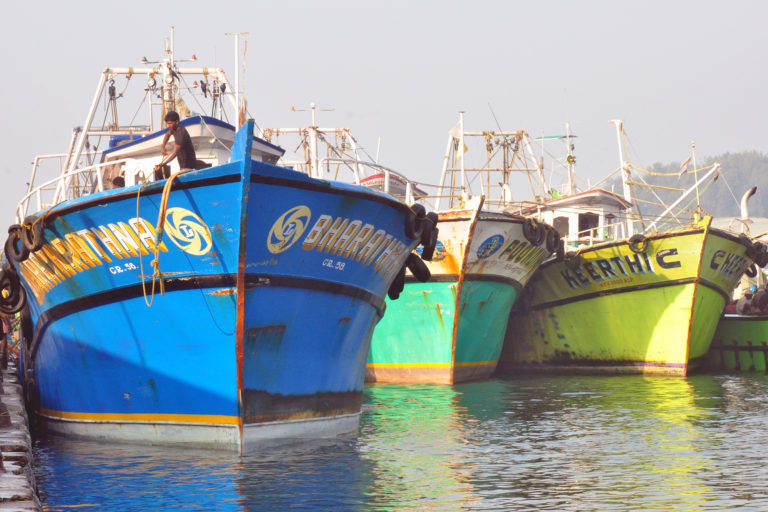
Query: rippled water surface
[538, 443]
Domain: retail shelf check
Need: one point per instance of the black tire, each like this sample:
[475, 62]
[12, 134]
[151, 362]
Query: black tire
[12, 295]
[560, 253]
[552, 241]
[418, 268]
[14, 247]
[428, 250]
[9, 285]
[751, 270]
[8, 307]
[633, 242]
[33, 238]
[397, 285]
[414, 221]
[533, 231]
[429, 236]
[573, 260]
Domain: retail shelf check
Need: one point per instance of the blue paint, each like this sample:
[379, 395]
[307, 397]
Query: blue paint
[308, 311]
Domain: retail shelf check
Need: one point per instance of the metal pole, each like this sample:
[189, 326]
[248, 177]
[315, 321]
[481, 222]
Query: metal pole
[619, 124]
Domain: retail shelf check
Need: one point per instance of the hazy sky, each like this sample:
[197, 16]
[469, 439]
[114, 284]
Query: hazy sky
[675, 71]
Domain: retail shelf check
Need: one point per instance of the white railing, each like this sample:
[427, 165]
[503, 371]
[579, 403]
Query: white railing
[61, 188]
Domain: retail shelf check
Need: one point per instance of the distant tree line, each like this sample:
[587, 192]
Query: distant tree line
[739, 172]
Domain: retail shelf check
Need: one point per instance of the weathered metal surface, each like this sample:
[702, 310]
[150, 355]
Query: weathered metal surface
[617, 310]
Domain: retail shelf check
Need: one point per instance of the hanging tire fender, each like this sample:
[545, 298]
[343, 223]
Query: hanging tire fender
[429, 236]
[397, 285]
[751, 270]
[573, 260]
[418, 268]
[32, 236]
[552, 240]
[560, 252]
[14, 247]
[637, 243]
[414, 221]
[13, 297]
[533, 231]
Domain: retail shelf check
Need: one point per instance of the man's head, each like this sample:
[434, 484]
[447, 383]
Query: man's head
[171, 120]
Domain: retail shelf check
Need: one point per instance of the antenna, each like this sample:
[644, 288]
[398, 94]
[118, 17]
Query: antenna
[237, 66]
[494, 116]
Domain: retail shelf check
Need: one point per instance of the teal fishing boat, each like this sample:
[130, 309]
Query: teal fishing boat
[451, 328]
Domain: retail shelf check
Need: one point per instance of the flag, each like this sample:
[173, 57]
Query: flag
[684, 166]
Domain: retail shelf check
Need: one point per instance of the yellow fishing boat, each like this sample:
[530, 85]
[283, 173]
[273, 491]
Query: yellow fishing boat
[645, 303]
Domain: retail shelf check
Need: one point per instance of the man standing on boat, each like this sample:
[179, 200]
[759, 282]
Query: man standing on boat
[182, 148]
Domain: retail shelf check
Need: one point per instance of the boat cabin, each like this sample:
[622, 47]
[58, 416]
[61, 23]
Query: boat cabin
[586, 217]
[135, 157]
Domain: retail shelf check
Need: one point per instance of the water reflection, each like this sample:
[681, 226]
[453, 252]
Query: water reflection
[535, 443]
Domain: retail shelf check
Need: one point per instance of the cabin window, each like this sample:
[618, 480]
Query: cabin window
[588, 225]
[561, 226]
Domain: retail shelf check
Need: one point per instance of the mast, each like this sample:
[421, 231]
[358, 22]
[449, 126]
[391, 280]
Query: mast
[619, 124]
[461, 157]
[239, 101]
[570, 159]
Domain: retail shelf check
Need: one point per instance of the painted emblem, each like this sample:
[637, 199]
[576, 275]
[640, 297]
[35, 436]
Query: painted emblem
[187, 231]
[490, 246]
[439, 254]
[288, 229]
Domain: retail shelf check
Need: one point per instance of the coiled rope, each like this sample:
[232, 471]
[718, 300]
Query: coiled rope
[157, 275]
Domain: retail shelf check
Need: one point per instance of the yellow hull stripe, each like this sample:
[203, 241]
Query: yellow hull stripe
[428, 365]
[144, 418]
[477, 363]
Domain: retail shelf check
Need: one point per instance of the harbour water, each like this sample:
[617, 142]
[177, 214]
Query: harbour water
[524, 443]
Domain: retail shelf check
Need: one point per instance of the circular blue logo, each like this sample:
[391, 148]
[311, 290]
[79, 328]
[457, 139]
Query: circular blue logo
[490, 246]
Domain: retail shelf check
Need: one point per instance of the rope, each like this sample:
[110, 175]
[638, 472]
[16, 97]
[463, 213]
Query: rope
[157, 275]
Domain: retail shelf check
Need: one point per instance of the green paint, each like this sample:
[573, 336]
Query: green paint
[418, 327]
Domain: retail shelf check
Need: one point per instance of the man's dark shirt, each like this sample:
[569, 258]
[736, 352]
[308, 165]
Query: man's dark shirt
[186, 154]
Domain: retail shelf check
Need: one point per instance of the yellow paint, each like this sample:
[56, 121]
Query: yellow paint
[429, 365]
[408, 365]
[144, 418]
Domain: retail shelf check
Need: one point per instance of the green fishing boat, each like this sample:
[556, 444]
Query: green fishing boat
[740, 344]
[451, 328]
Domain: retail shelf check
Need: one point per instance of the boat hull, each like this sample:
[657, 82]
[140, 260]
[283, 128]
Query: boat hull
[620, 311]
[451, 329]
[740, 344]
[271, 292]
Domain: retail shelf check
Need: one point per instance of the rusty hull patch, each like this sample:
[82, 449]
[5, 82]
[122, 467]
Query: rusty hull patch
[223, 292]
[260, 406]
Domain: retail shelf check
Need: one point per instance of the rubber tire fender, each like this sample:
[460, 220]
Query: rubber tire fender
[552, 240]
[751, 270]
[532, 231]
[560, 252]
[573, 260]
[14, 247]
[33, 237]
[13, 307]
[634, 240]
[414, 221]
[429, 236]
[17, 296]
[9, 283]
[418, 268]
[397, 284]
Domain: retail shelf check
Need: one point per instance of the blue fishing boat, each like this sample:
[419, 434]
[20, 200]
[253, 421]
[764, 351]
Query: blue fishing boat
[226, 306]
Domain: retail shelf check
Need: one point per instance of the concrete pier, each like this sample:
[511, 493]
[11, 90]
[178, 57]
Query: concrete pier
[18, 491]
